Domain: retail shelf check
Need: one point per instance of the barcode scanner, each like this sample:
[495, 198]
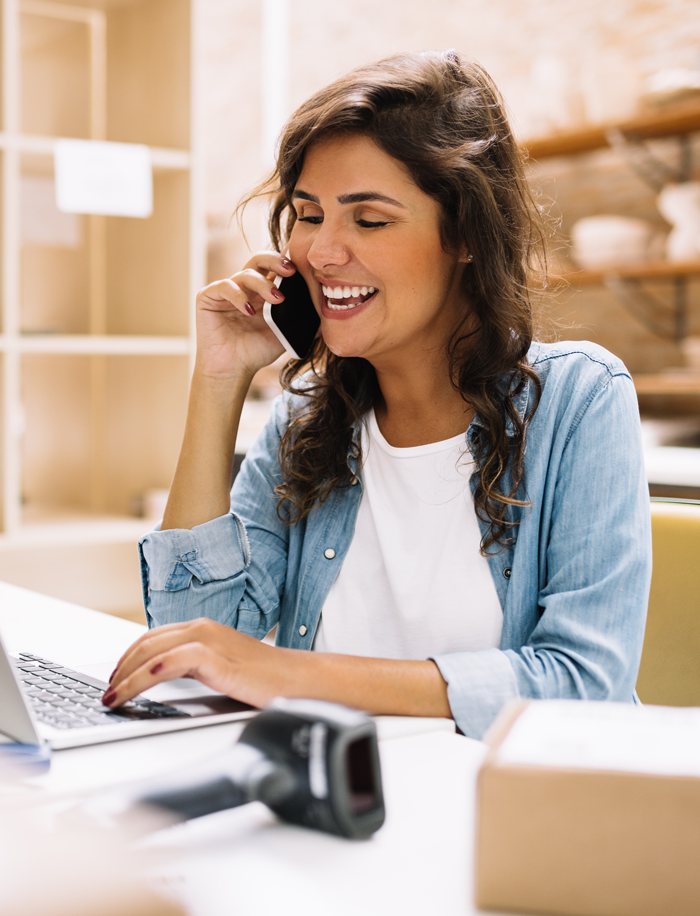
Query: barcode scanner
[313, 763]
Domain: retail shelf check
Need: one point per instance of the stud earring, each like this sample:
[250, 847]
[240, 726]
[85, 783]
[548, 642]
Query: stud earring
[470, 258]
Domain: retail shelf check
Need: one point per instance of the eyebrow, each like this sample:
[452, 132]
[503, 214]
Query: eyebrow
[359, 198]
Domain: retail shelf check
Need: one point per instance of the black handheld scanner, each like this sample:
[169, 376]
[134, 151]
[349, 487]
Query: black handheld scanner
[313, 763]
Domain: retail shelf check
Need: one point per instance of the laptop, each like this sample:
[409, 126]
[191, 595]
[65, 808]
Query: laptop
[44, 702]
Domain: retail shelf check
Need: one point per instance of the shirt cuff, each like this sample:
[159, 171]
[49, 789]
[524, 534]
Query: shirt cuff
[210, 552]
[479, 684]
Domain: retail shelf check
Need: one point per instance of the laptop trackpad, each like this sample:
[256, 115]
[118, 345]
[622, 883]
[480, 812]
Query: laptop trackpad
[214, 705]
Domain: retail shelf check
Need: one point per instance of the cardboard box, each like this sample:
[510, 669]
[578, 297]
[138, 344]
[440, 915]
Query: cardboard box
[590, 809]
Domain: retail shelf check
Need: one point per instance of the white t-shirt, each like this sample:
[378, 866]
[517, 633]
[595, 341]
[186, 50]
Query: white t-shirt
[413, 583]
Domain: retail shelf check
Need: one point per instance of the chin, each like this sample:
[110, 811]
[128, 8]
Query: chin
[345, 348]
[345, 345]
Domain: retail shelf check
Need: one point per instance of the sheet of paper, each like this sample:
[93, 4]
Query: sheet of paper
[573, 734]
[112, 179]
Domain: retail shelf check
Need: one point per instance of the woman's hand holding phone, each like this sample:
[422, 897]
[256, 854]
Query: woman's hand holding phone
[233, 340]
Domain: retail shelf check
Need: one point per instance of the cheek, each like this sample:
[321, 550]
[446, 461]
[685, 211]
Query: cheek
[298, 248]
[414, 262]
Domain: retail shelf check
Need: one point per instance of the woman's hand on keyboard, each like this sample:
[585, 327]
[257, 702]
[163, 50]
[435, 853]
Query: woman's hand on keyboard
[220, 657]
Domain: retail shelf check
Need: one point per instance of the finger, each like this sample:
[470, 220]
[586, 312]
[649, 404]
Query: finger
[161, 640]
[143, 647]
[266, 262]
[258, 289]
[227, 297]
[193, 659]
[245, 292]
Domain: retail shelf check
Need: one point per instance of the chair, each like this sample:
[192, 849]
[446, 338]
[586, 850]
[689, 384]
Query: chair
[669, 674]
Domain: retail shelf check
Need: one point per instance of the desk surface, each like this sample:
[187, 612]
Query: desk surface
[244, 861]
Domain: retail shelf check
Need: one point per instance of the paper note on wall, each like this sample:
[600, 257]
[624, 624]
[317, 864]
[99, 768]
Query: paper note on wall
[112, 179]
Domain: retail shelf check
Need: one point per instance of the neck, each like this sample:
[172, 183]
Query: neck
[419, 405]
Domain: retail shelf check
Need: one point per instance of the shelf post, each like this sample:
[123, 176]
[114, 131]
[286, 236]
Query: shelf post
[197, 235]
[12, 409]
[97, 25]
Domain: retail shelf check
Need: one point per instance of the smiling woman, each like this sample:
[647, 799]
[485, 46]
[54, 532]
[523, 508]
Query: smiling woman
[448, 513]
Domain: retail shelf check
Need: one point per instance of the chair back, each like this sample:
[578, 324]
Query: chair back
[669, 674]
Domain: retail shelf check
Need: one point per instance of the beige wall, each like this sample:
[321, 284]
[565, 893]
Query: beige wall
[558, 63]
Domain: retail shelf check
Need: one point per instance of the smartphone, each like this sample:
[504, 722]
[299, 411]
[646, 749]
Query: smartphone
[294, 322]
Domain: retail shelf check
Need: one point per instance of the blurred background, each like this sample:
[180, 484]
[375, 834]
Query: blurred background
[97, 330]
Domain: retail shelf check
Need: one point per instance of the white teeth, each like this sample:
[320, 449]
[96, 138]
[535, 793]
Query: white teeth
[345, 292]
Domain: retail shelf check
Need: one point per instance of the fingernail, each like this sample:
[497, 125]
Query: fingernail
[249, 308]
[112, 675]
[109, 697]
[156, 668]
[287, 263]
[276, 293]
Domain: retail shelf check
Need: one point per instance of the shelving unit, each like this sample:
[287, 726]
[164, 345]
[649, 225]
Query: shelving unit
[665, 122]
[97, 333]
[625, 280]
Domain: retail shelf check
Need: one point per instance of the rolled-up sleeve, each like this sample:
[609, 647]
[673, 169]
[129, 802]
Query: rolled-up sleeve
[215, 550]
[479, 684]
[231, 569]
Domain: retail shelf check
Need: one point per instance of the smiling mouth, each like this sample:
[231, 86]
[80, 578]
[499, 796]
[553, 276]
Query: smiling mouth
[342, 298]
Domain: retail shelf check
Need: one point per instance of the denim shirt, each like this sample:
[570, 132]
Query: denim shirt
[573, 584]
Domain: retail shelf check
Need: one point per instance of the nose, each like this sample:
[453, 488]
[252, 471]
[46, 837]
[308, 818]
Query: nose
[328, 248]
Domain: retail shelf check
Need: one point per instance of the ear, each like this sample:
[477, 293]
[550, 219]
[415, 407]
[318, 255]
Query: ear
[465, 257]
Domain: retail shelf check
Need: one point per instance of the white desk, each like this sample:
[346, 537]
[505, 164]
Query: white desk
[244, 861]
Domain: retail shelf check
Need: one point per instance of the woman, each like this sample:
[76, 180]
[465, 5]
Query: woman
[451, 515]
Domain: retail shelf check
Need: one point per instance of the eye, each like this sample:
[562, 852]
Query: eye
[314, 220]
[371, 224]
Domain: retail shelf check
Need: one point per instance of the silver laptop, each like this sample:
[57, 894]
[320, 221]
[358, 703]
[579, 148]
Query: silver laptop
[43, 702]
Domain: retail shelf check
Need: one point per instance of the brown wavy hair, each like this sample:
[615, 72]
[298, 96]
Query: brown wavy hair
[443, 118]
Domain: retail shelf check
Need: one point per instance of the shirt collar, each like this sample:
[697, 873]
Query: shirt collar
[521, 401]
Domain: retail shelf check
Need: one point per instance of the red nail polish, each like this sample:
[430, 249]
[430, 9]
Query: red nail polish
[287, 263]
[112, 675]
[276, 293]
[156, 668]
[108, 698]
[249, 308]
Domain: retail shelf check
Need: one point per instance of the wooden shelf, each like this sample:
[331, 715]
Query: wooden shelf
[161, 158]
[667, 122]
[100, 344]
[680, 382]
[652, 270]
[67, 526]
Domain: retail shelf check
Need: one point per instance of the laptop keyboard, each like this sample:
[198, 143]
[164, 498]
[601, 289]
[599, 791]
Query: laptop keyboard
[67, 699]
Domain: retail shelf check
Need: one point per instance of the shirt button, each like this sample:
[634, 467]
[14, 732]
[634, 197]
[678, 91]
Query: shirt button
[354, 482]
[329, 553]
[302, 630]
[507, 571]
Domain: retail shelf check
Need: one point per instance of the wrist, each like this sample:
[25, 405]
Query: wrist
[214, 396]
[297, 674]
[231, 382]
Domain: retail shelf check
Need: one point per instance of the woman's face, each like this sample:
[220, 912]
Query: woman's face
[367, 241]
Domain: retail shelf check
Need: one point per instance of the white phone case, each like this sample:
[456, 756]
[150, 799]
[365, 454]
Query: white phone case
[267, 315]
